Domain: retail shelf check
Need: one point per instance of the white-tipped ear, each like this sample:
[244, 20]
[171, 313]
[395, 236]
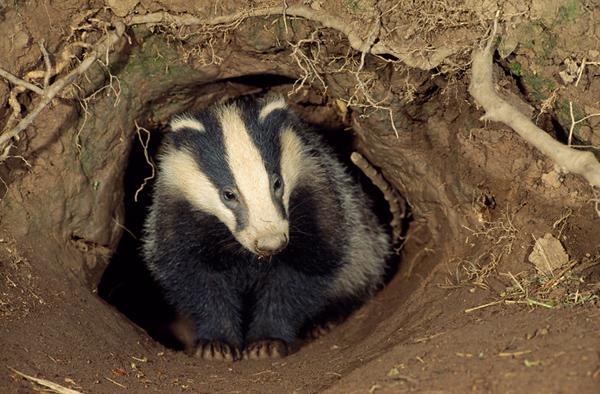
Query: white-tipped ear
[271, 104]
[181, 122]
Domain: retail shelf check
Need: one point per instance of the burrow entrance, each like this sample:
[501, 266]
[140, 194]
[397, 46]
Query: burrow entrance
[127, 284]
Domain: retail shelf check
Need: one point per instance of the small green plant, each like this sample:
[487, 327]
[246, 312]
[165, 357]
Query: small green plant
[515, 69]
[541, 39]
[541, 87]
[352, 5]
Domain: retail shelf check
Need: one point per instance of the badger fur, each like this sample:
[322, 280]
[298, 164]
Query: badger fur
[256, 230]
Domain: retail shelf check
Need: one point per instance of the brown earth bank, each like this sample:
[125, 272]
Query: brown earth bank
[498, 283]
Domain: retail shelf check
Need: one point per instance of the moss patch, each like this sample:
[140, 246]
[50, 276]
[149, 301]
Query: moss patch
[569, 12]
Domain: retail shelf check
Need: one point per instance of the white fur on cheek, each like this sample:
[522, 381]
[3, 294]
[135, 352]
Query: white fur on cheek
[180, 173]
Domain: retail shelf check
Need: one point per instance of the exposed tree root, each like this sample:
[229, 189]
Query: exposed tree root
[144, 144]
[46, 56]
[325, 19]
[498, 110]
[395, 202]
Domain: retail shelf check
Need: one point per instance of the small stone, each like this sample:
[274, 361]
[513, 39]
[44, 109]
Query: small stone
[585, 133]
[21, 40]
[342, 107]
[552, 179]
[572, 67]
[393, 372]
[566, 77]
[570, 73]
[509, 43]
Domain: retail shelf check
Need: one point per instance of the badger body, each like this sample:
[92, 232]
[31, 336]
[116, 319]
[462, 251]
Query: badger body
[256, 230]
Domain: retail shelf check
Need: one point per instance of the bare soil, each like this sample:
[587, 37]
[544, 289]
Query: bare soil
[466, 310]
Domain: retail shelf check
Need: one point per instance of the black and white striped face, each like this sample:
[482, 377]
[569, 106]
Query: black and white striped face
[239, 162]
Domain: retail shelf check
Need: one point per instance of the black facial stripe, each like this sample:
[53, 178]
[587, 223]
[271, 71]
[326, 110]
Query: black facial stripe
[278, 202]
[208, 150]
[241, 214]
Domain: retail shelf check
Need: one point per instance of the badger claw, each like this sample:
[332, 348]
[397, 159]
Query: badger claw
[265, 349]
[216, 351]
[320, 330]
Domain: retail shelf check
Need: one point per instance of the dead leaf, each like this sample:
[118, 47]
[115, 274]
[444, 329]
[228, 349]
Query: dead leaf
[122, 7]
[548, 255]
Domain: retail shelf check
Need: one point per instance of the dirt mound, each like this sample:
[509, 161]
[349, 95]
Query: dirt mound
[499, 274]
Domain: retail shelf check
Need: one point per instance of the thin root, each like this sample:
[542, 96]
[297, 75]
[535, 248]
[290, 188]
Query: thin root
[146, 156]
[396, 203]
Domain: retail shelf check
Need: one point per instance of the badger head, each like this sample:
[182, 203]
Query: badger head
[239, 162]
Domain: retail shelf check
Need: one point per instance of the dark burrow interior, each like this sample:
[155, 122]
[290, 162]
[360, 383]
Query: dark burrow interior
[127, 284]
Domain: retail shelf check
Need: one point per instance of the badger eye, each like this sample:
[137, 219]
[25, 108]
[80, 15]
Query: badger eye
[277, 184]
[228, 195]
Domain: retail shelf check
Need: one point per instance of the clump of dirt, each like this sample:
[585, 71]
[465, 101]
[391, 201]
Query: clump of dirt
[480, 302]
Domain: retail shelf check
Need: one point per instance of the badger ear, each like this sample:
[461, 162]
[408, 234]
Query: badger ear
[186, 121]
[271, 103]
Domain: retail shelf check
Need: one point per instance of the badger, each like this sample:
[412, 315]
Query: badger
[256, 230]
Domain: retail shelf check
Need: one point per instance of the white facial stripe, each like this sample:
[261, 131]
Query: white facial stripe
[186, 122]
[291, 162]
[274, 104]
[180, 172]
[250, 175]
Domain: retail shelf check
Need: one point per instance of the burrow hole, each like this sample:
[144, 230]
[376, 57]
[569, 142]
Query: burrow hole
[127, 284]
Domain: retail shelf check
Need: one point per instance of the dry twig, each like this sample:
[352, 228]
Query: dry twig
[584, 63]
[51, 386]
[20, 82]
[48, 73]
[498, 110]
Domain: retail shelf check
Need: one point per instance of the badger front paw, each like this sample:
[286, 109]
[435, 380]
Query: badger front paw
[266, 348]
[217, 351]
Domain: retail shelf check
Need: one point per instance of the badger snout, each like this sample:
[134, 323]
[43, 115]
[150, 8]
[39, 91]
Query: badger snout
[271, 244]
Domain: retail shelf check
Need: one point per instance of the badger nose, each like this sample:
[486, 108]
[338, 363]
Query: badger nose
[271, 244]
